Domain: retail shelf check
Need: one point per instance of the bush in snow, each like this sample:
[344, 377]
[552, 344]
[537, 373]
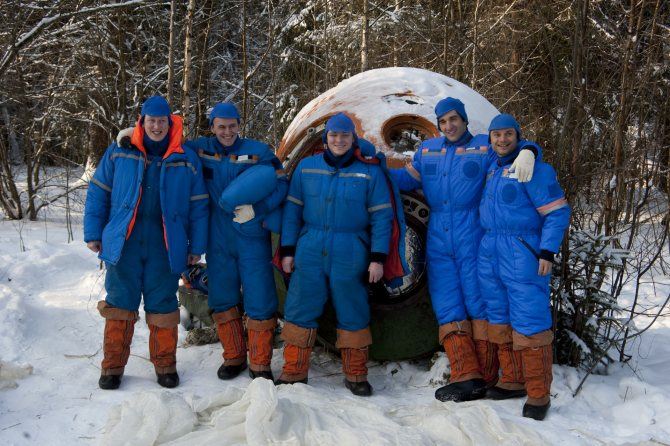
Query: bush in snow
[585, 313]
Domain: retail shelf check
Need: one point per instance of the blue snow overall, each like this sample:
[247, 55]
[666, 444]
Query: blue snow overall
[144, 266]
[241, 254]
[522, 222]
[452, 177]
[337, 218]
[149, 216]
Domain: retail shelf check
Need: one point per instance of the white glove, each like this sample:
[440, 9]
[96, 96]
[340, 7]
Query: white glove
[125, 133]
[244, 213]
[524, 165]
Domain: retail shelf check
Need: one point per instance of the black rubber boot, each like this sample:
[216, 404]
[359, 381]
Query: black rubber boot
[472, 389]
[109, 382]
[280, 381]
[536, 412]
[498, 393]
[362, 388]
[168, 380]
[267, 374]
[226, 372]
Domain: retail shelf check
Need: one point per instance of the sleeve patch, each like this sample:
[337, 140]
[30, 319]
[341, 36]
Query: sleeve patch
[471, 169]
[379, 207]
[295, 200]
[101, 185]
[553, 206]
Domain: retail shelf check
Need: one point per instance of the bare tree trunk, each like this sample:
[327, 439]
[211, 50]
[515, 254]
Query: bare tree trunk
[68, 170]
[170, 79]
[245, 80]
[473, 78]
[32, 167]
[36, 147]
[364, 37]
[664, 143]
[201, 105]
[573, 124]
[446, 34]
[273, 80]
[186, 85]
[457, 17]
[626, 87]
[396, 34]
[122, 87]
[9, 193]
[14, 155]
[326, 26]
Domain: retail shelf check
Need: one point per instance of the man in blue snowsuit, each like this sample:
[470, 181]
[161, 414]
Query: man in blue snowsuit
[247, 185]
[336, 232]
[146, 217]
[524, 224]
[451, 171]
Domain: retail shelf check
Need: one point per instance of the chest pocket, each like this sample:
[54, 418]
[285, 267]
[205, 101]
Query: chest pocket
[430, 162]
[510, 191]
[356, 187]
[312, 184]
[471, 167]
[210, 161]
[470, 163]
[430, 165]
[429, 169]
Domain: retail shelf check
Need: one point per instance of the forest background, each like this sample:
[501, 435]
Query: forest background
[589, 80]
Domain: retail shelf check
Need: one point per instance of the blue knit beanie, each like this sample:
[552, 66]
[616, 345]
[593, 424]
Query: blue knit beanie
[156, 106]
[505, 121]
[225, 110]
[340, 123]
[448, 104]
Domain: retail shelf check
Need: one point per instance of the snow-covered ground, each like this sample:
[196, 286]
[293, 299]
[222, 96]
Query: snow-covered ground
[50, 353]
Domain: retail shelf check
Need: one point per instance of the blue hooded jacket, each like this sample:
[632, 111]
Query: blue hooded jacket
[115, 192]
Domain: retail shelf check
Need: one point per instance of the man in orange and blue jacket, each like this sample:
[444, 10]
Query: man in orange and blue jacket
[146, 217]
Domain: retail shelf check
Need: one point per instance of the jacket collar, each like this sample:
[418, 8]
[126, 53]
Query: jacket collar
[463, 140]
[174, 136]
[508, 159]
[227, 149]
[338, 162]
